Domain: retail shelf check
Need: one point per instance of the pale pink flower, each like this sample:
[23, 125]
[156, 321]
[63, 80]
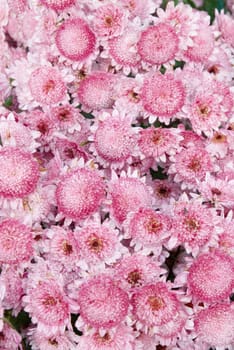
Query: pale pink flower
[48, 307]
[114, 140]
[210, 277]
[80, 193]
[159, 142]
[47, 86]
[98, 243]
[154, 304]
[96, 91]
[190, 166]
[123, 49]
[65, 341]
[226, 237]
[136, 270]
[225, 26]
[163, 191]
[141, 9]
[158, 44]
[128, 194]
[17, 181]
[109, 21]
[57, 5]
[214, 325]
[16, 242]
[103, 304]
[147, 229]
[121, 337]
[10, 339]
[162, 95]
[75, 40]
[67, 118]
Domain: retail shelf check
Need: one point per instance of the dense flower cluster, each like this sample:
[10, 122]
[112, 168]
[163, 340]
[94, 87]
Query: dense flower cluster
[116, 175]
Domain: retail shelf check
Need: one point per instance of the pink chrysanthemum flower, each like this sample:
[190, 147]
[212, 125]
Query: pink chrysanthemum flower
[191, 166]
[47, 86]
[121, 337]
[226, 237]
[10, 339]
[96, 91]
[75, 40]
[225, 26]
[154, 305]
[215, 326]
[159, 142]
[63, 247]
[114, 140]
[140, 9]
[67, 118]
[163, 191]
[193, 225]
[163, 96]
[16, 242]
[48, 307]
[147, 229]
[137, 270]
[128, 194]
[19, 173]
[80, 193]
[58, 5]
[158, 44]
[109, 21]
[40, 341]
[102, 303]
[123, 49]
[210, 277]
[98, 243]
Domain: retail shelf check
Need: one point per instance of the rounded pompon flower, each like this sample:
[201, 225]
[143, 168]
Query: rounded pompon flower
[121, 337]
[211, 277]
[103, 304]
[19, 173]
[163, 95]
[96, 91]
[47, 86]
[75, 40]
[128, 194]
[80, 193]
[16, 242]
[158, 44]
[48, 307]
[154, 304]
[215, 326]
[58, 5]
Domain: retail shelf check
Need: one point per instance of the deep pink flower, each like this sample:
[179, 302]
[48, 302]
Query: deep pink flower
[75, 40]
[19, 173]
[58, 5]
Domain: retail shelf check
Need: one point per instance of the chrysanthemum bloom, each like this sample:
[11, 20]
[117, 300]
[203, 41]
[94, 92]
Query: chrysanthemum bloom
[121, 337]
[136, 270]
[98, 243]
[162, 95]
[128, 194]
[63, 246]
[16, 242]
[191, 165]
[158, 142]
[154, 304]
[226, 27]
[80, 193]
[109, 21]
[48, 307]
[147, 228]
[114, 140]
[47, 86]
[65, 341]
[58, 5]
[215, 326]
[96, 92]
[123, 48]
[193, 224]
[75, 40]
[102, 303]
[211, 277]
[10, 339]
[158, 44]
[13, 281]
[19, 173]
[67, 118]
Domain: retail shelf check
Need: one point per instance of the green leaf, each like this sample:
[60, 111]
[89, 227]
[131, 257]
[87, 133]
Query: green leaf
[8, 102]
[158, 174]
